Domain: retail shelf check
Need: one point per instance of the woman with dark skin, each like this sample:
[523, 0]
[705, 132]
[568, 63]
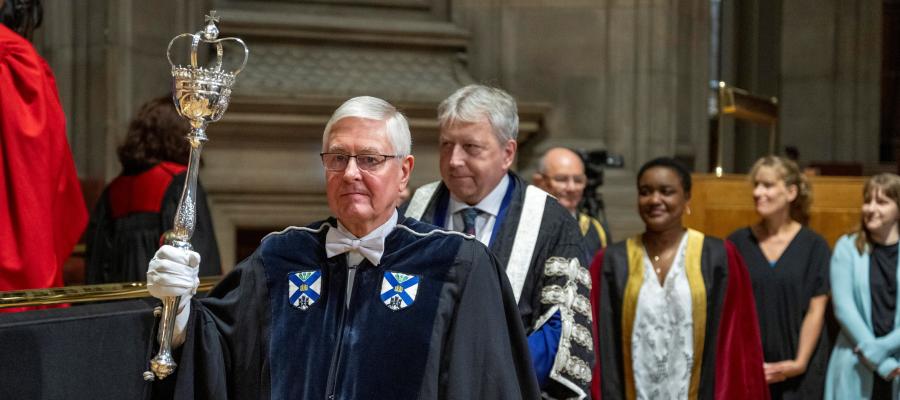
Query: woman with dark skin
[661, 202]
[788, 264]
[672, 305]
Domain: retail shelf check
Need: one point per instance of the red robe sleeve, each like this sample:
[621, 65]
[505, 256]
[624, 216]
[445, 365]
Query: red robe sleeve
[739, 356]
[596, 273]
[42, 211]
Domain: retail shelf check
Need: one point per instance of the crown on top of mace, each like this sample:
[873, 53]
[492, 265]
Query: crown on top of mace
[201, 93]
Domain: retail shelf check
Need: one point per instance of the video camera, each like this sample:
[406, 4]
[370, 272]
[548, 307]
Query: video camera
[595, 161]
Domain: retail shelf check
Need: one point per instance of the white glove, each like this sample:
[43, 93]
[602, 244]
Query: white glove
[175, 272]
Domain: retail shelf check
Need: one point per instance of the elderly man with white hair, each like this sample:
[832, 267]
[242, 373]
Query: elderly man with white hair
[531, 234]
[367, 305]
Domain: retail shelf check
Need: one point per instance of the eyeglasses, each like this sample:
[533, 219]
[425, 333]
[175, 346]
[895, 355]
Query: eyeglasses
[564, 179]
[365, 162]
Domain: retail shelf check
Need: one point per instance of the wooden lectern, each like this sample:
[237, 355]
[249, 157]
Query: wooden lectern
[720, 205]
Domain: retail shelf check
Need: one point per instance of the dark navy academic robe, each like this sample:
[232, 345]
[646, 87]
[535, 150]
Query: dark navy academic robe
[435, 320]
[728, 359]
[558, 237]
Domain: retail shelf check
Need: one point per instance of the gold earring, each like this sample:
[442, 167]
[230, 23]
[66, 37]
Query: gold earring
[688, 210]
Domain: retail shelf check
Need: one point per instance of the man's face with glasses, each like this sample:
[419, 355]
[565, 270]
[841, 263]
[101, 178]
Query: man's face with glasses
[363, 176]
[563, 177]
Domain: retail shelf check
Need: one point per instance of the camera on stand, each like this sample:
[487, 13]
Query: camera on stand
[595, 162]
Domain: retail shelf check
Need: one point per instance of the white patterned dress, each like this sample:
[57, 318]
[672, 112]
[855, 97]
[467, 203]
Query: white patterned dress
[662, 344]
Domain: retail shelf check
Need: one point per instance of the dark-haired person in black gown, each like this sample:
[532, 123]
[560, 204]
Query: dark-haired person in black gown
[788, 265]
[139, 205]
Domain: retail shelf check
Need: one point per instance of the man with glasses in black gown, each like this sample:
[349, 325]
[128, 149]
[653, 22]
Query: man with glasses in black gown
[367, 305]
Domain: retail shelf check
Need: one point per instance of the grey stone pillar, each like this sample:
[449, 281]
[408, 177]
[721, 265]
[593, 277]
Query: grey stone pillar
[657, 79]
[822, 59]
[109, 56]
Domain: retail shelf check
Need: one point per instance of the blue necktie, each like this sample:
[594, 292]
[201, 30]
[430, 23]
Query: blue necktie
[468, 216]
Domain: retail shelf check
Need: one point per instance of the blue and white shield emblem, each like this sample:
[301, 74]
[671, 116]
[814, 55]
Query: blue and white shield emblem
[304, 288]
[398, 290]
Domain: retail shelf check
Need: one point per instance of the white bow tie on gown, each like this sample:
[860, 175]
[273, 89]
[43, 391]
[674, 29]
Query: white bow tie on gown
[339, 242]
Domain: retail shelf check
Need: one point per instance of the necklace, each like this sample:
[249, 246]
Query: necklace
[666, 254]
[658, 269]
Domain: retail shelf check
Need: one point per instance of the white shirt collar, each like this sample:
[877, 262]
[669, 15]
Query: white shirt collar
[489, 204]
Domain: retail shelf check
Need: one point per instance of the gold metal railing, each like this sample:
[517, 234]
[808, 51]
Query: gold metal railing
[86, 293]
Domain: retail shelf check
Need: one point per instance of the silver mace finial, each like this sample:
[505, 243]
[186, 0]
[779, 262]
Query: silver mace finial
[201, 95]
[211, 32]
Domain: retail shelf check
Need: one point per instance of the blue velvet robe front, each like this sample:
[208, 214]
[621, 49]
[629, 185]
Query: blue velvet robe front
[460, 338]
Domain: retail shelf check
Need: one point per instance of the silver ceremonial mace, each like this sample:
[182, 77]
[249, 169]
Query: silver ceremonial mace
[201, 95]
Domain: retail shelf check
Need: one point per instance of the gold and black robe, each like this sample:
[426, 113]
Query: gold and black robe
[728, 361]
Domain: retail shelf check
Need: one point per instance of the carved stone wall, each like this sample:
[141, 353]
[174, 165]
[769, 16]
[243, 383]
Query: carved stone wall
[261, 166]
[302, 67]
[283, 70]
[630, 76]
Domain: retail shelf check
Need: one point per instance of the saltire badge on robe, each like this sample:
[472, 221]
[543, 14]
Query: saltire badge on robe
[304, 288]
[398, 290]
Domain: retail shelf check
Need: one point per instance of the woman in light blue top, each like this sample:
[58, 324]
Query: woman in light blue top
[864, 362]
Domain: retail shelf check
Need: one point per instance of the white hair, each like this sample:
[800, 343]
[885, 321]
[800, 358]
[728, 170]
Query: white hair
[377, 109]
[473, 103]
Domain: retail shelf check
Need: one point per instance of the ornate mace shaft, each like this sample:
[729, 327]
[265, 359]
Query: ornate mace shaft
[201, 95]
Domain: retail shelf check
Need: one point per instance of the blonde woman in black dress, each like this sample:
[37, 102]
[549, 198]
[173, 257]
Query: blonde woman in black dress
[788, 265]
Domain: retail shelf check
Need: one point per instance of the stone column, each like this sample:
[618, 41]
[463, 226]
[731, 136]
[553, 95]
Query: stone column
[830, 74]
[629, 76]
[109, 56]
[857, 81]
[657, 79]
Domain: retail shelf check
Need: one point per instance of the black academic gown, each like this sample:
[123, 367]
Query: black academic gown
[595, 236]
[782, 294]
[558, 236]
[457, 337]
[131, 215]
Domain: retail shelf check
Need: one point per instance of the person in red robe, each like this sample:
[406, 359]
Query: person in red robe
[673, 308]
[42, 211]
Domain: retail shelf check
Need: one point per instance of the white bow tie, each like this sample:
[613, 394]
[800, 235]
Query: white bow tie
[338, 242]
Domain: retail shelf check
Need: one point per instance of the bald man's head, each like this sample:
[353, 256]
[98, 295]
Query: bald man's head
[561, 173]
